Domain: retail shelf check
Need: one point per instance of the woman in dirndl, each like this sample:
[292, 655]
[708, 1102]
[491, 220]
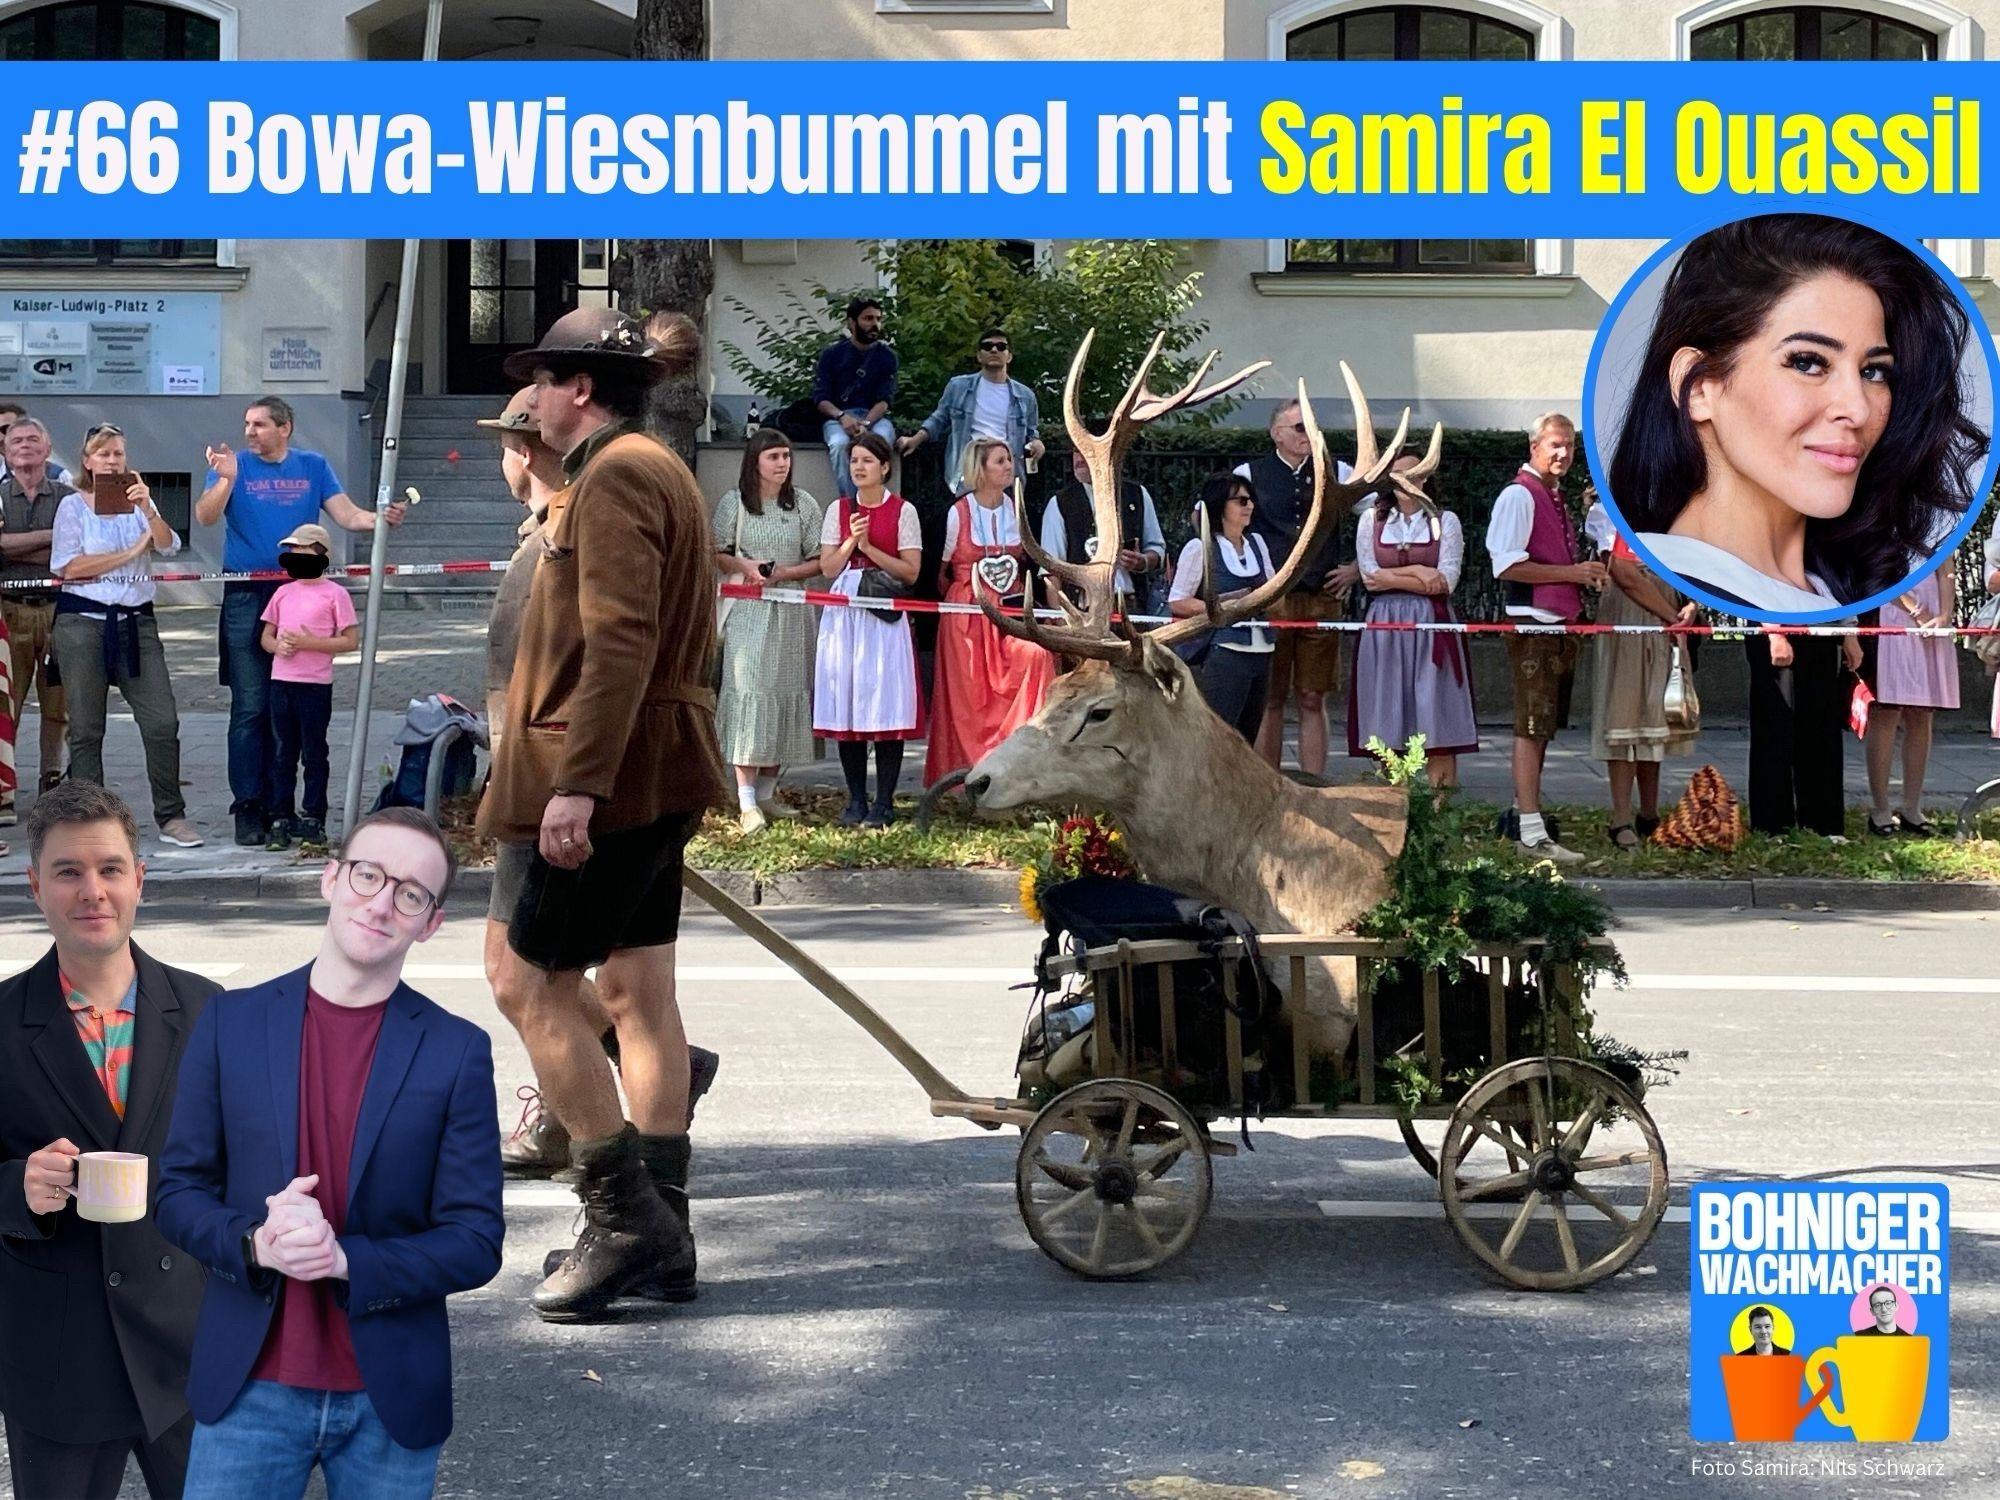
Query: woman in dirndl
[988, 684]
[1408, 682]
[865, 688]
[1232, 666]
[1912, 677]
[1629, 731]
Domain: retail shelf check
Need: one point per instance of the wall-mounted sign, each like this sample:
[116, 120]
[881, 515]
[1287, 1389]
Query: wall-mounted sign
[296, 353]
[127, 343]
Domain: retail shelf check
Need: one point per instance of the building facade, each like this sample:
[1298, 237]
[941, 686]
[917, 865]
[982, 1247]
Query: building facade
[1471, 332]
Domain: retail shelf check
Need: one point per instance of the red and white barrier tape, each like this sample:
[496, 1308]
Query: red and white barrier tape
[776, 595]
[821, 598]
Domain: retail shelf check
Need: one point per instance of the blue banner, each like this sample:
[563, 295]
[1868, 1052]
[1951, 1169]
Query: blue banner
[784, 150]
[1819, 1313]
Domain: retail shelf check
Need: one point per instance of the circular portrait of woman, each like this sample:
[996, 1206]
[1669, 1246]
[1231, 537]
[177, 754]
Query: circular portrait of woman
[1791, 416]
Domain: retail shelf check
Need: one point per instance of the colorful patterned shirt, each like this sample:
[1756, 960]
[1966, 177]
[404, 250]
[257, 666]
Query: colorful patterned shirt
[107, 1040]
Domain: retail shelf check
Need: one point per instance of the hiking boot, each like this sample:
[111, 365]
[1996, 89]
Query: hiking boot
[51, 780]
[539, 1146]
[251, 829]
[630, 1236]
[666, 1163]
[702, 1066]
[279, 835]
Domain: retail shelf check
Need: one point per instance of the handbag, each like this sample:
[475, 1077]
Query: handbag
[1987, 647]
[724, 603]
[879, 583]
[1683, 704]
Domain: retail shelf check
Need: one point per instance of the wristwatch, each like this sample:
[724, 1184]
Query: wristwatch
[250, 1250]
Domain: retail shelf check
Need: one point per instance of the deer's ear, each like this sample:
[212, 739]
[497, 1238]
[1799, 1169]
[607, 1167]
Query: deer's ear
[1164, 669]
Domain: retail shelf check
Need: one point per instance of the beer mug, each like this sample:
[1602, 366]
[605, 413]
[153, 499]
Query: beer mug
[110, 1187]
[1881, 1386]
[1763, 1392]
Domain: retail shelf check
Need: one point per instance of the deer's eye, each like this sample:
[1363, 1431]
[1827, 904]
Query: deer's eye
[1098, 715]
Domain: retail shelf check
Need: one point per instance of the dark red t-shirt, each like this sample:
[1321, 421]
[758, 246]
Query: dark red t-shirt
[309, 1345]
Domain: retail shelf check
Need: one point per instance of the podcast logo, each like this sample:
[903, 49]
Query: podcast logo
[1818, 1314]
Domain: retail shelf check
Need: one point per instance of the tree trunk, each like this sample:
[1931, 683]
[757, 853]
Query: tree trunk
[671, 275]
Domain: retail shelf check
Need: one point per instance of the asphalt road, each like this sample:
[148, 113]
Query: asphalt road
[875, 1321]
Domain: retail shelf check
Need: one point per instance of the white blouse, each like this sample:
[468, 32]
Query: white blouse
[909, 532]
[1414, 530]
[997, 527]
[1246, 563]
[81, 532]
[1706, 563]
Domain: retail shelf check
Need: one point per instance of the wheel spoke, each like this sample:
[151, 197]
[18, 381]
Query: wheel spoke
[1068, 1174]
[1578, 1135]
[1146, 1230]
[1606, 1163]
[1520, 1225]
[1538, 1109]
[1068, 1206]
[1487, 1129]
[1492, 1185]
[1166, 1192]
[1568, 1240]
[1100, 1238]
[1603, 1205]
[1160, 1161]
[1126, 1126]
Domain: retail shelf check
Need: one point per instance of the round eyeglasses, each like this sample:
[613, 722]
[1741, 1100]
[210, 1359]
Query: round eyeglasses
[365, 879]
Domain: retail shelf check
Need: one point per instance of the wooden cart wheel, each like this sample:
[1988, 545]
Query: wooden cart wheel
[1518, 1154]
[1113, 1178]
[1597, 1178]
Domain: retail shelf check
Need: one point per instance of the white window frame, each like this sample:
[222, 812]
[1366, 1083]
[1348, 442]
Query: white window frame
[1956, 42]
[225, 20]
[965, 7]
[1554, 42]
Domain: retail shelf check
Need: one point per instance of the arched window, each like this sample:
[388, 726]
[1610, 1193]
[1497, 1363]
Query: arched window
[1812, 33]
[1411, 33]
[109, 30]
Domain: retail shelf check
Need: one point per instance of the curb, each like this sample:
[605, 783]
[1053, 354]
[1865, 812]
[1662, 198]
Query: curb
[970, 888]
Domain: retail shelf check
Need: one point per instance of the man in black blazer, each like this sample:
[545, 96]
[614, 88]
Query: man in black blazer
[96, 1320]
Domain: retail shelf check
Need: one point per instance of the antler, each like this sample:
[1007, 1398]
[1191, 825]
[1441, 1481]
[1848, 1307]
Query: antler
[1090, 629]
[1370, 467]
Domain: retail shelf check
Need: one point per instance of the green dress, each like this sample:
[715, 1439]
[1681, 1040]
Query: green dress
[765, 715]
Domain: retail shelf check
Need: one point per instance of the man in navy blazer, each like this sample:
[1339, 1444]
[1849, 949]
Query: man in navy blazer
[335, 1162]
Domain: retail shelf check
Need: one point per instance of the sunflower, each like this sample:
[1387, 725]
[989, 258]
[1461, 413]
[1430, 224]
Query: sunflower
[1031, 879]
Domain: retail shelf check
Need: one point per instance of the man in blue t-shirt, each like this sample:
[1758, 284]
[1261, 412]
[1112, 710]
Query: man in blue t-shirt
[853, 384]
[263, 494]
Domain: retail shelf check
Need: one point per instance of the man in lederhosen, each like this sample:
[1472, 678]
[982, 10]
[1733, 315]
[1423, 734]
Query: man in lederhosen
[606, 762]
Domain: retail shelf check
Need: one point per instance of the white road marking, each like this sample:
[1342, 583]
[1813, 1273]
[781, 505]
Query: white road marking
[1401, 1208]
[1846, 984]
[776, 973]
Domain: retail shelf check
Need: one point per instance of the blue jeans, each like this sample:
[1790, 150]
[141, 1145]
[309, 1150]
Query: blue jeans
[838, 442]
[268, 1441]
[246, 670]
[300, 713]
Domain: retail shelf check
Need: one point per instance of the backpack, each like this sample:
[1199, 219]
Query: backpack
[429, 720]
[1098, 911]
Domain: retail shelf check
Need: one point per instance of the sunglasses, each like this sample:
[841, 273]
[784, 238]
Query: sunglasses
[103, 427]
[993, 346]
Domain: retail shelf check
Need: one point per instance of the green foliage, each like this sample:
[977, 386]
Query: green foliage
[937, 295]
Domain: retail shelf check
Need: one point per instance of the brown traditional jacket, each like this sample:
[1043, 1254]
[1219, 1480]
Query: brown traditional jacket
[609, 697]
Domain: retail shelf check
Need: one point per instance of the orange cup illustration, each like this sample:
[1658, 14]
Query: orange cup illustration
[1763, 1392]
[1880, 1398]
[111, 1187]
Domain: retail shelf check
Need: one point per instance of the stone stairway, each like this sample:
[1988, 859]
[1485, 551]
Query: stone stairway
[466, 512]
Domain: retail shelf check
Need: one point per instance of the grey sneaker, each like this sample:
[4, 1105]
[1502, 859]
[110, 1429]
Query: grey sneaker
[181, 833]
[1548, 848]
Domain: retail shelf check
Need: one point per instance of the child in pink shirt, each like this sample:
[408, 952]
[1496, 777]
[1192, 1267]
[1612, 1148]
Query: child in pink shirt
[306, 623]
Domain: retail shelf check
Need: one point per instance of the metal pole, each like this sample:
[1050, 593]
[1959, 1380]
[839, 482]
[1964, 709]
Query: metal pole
[392, 427]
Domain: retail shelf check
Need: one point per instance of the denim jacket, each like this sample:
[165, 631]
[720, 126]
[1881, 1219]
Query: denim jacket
[952, 420]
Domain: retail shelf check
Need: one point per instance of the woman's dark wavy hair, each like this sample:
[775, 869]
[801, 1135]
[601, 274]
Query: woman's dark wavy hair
[1919, 477]
[750, 483]
[1215, 493]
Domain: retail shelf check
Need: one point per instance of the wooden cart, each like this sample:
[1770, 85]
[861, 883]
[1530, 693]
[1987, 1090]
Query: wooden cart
[1550, 1169]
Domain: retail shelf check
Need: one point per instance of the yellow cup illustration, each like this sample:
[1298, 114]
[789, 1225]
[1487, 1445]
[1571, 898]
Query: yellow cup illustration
[1880, 1397]
[111, 1187]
